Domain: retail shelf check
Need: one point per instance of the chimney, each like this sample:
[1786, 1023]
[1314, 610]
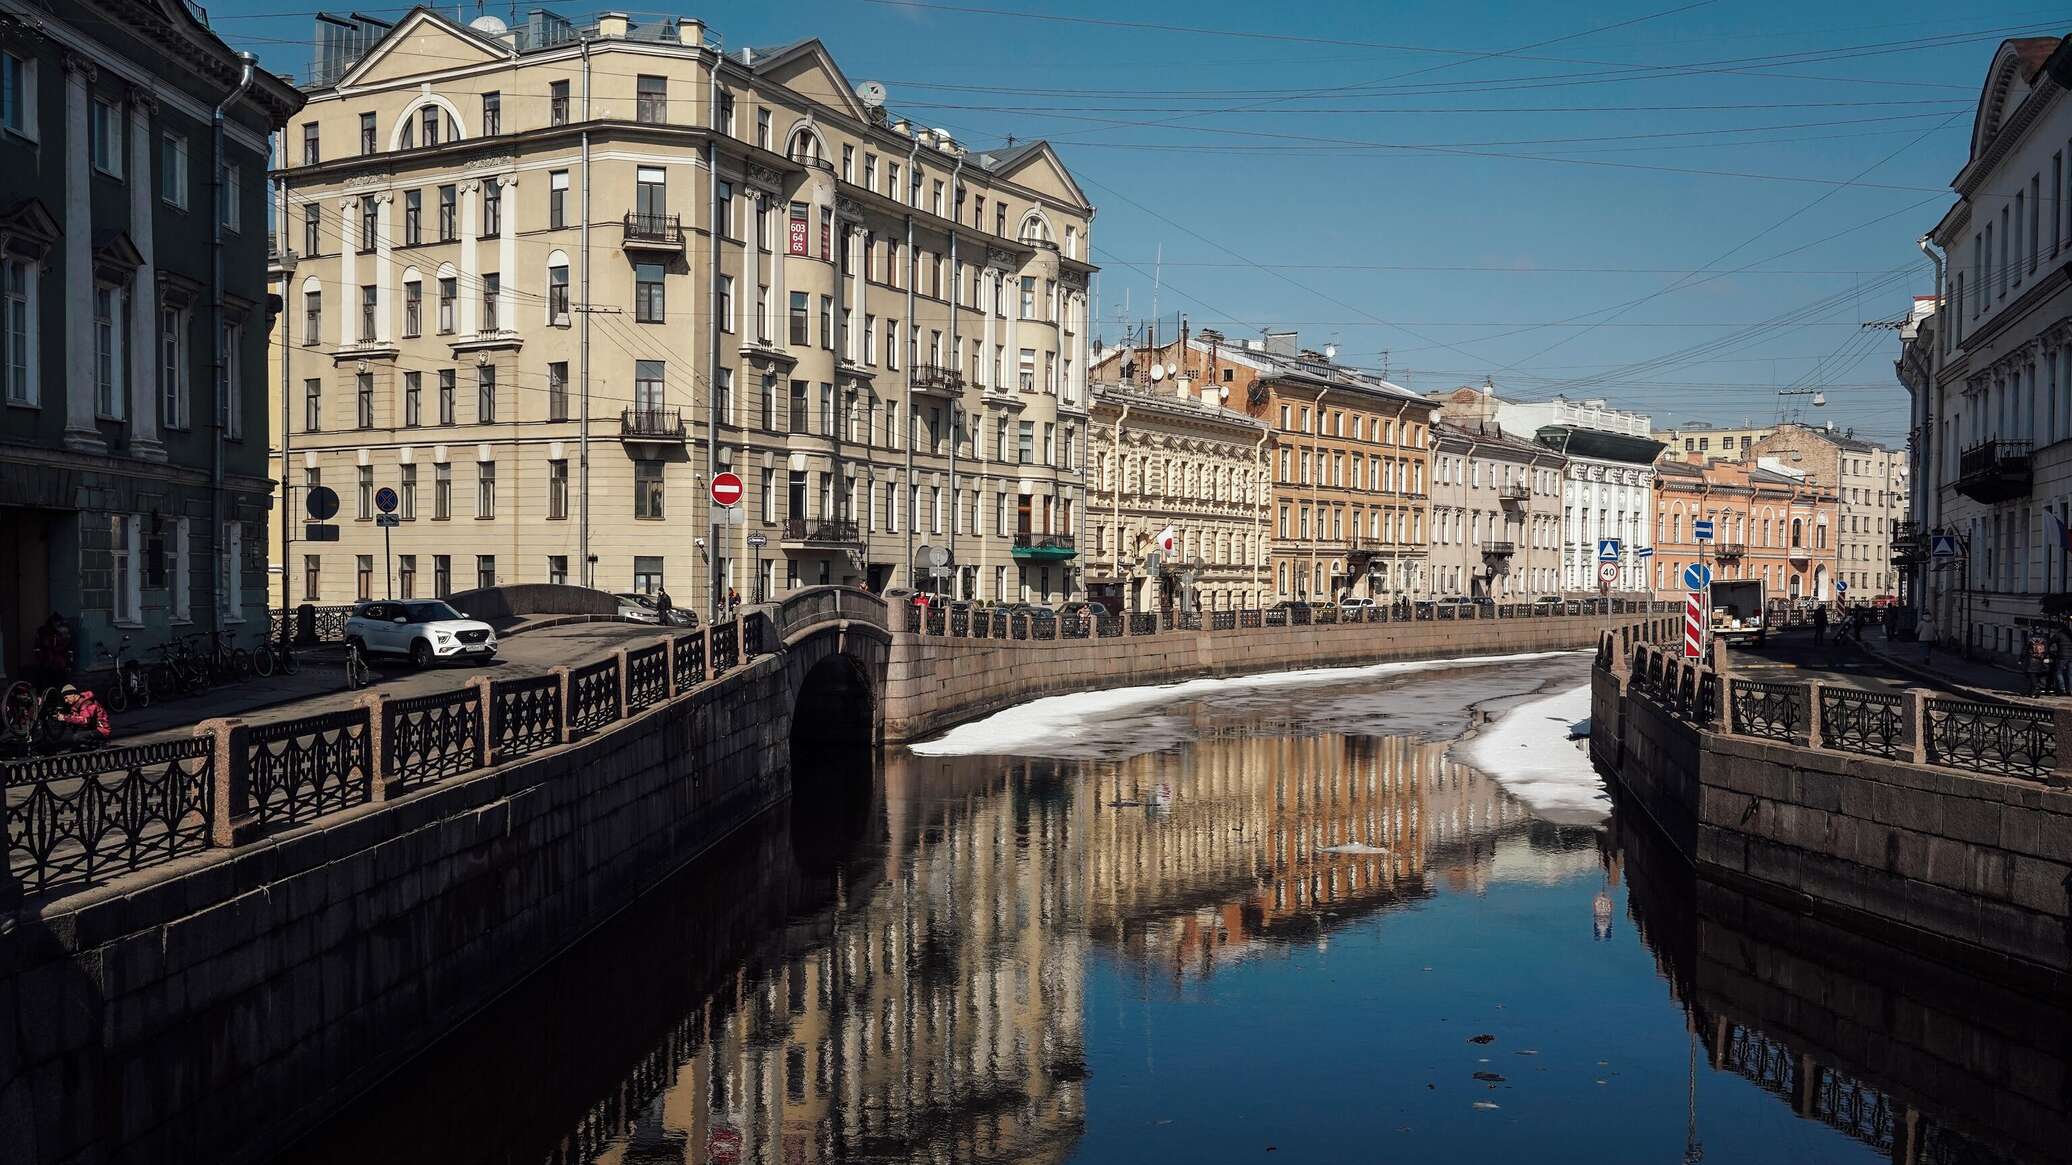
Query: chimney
[1694, 457]
[690, 31]
[1281, 343]
[611, 25]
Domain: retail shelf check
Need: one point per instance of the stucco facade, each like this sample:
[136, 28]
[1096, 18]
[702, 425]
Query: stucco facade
[1496, 513]
[1766, 525]
[1173, 454]
[1870, 487]
[133, 495]
[629, 259]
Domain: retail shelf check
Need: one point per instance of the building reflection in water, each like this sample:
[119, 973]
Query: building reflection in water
[1920, 1061]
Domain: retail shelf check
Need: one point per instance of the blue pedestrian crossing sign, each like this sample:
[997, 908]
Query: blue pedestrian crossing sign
[1607, 550]
[1697, 576]
[1702, 530]
[1943, 546]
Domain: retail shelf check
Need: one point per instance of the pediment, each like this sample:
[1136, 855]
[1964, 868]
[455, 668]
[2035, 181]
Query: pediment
[808, 70]
[1039, 168]
[423, 42]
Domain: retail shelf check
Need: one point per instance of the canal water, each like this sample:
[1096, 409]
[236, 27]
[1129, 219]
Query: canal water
[1283, 919]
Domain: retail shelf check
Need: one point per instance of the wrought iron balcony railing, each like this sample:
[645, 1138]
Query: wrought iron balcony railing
[1499, 549]
[1029, 545]
[1728, 551]
[654, 230]
[1994, 471]
[823, 531]
[937, 378]
[653, 424]
[1515, 493]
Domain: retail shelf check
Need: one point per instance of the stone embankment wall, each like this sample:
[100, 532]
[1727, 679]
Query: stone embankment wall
[213, 1006]
[937, 681]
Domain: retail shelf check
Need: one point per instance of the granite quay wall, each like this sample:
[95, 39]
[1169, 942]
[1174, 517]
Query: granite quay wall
[237, 991]
[938, 679]
[1941, 823]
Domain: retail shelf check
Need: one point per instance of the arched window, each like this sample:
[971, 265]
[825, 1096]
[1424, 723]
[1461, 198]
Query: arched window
[1798, 533]
[806, 146]
[1036, 228]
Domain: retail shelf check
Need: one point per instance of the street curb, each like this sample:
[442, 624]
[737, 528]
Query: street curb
[1929, 677]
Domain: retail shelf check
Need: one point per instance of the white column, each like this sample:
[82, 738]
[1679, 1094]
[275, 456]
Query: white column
[80, 431]
[143, 321]
[348, 294]
[384, 269]
[779, 268]
[470, 305]
[752, 269]
[985, 306]
[853, 242]
[1012, 365]
[507, 256]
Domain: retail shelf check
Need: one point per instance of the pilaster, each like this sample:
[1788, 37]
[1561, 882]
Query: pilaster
[81, 433]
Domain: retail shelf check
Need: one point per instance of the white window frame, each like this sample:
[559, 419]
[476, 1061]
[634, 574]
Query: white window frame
[180, 591]
[174, 404]
[105, 137]
[233, 381]
[125, 573]
[20, 281]
[18, 95]
[172, 172]
[111, 393]
[233, 554]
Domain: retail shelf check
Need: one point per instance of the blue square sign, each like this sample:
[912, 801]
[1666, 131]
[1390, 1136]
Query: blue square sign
[1607, 550]
[1702, 530]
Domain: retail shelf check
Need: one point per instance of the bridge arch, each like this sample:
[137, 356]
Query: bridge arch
[836, 650]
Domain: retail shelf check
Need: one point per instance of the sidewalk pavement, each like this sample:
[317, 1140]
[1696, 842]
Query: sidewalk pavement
[1975, 679]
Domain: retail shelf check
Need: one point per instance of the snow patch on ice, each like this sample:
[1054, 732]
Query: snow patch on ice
[1090, 724]
[1532, 752]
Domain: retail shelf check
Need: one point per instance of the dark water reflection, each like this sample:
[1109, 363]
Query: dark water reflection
[1155, 958]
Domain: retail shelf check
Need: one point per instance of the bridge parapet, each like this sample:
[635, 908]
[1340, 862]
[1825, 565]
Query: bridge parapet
[814, 606]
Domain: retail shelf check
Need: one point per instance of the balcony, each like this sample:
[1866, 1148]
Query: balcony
[1728, 551]
[1909, 544]
[1044, 547]
[814, 533]
[937, 380]
[1515, 495]
[654, 232]
[1499, 549]
[1994, 471]
[651, 425]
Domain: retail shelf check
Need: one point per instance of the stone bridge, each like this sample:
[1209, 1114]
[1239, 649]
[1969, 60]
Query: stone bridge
[276, 917]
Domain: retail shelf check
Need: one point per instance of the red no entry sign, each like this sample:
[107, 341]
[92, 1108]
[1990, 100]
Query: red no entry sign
[726, 489]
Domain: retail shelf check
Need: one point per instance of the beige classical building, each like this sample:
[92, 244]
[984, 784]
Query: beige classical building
[551, 278]
[1713, 442]
[1172, 454]
[1496, 513]
[1869, 483]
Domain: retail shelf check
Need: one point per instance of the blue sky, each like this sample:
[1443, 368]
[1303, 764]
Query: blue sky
[1678, 205]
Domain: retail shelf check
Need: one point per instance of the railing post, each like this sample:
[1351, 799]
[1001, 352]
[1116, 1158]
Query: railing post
[669, 666]
[379, 773]
[232, 819]
[305, 625]
[2061, 729]
[1813, 714]
[485, 697]
[625, 679]
[564, 693]
[741, 640]
[1913, 709]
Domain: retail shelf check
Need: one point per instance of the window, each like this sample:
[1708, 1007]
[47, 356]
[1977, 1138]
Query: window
[442, 575]
[557, 490]
[1027, 371]
[647, 489]
[233, 209]
[368, 300]
[446, 396]
[485, 489]
[108, 329]
[312, 405]
[647, 293]
[557, 390]
[485, 571]
[364, 488]
[492, 113]
[827, 322]
[312, 224]
[647, 384]
[799, 322]
[312, 573]
[449, 217]
[492, 283]
[449, 294]
[413, 217]
[492, 209]
[172, 170]
[413, 399]
[18, 94]
[104, 136]
[369, 217]
[366, 134]
[363, 400]
[1028, 300]
[312, 152]
[726, 303]
[797, 415]
[557, 103]
[723, 394]
[406, 576]
[485, 394]
[406, 502]
[428, 125]
[726, 114]
[557, 199]
[1025, 443]
[652, 100]
[172, 368]
[18, 326]
[762, 128]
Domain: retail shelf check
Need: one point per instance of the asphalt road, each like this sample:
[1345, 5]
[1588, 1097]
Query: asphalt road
[1791, 656]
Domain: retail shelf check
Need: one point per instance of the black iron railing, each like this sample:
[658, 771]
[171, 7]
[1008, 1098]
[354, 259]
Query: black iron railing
[666, 229]
[430, 738]
[1855, 720]
[1769, 709]
[827, 531]
[689, 661]
[70, 819]
[1993, 457]
[665, 423]
[647, 676]
[299, 769]
[2000, 739]
[524, 716]
[937, 378]
[593, 696]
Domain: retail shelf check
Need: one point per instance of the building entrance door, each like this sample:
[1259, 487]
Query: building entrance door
[25, 600]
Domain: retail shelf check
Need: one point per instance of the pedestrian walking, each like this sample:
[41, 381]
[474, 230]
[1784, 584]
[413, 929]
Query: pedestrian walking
[1924, 634]
[1820, 624]
[733, 600]
[663, 606]
[2060, 660]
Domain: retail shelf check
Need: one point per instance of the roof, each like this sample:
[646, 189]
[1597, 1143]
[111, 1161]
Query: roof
[2011, 80]
[1479, 432]
[1576, 441]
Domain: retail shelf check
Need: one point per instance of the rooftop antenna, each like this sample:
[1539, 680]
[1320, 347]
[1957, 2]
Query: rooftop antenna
[1157, 277]
[1384, 363]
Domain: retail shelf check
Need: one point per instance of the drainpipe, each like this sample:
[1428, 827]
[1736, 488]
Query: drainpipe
[1115, 498]
[1316, 452]
[1259, 470]
[957, 579]
[712, 333]
[908, 503]
[1924, 428]
[586, 572]
[288, 295]
[221, 382]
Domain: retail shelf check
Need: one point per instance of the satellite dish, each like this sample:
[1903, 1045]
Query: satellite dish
[872, 94]
[488, 25]
[1158, 373]
[1172, 369]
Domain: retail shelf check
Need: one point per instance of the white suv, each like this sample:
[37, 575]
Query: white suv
[426, 630]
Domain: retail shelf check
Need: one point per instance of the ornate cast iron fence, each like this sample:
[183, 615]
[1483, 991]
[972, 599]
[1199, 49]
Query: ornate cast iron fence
[912, 622]
[1249, 618]
[1108, 626]
[70, 819]
[960, 621]
[690, 661]
[299, 769]
[430, 738]
[726, 649]
[593, 696]
[647, 676]
[934, 619]
[1871, 723]
[2000, 739]
[524, 716]
[755, 634]
[1763, 708]
[1222, 620]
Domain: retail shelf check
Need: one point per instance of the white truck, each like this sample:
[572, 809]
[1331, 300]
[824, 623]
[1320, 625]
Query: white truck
[1737, 609]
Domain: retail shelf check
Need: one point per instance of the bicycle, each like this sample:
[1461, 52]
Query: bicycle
[228, 661]
[131, 687]
[357, 673]
[19, 721]
[175, 673]
[272, 657]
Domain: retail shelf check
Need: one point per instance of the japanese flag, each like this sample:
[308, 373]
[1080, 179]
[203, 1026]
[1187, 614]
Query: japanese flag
[1167, 539]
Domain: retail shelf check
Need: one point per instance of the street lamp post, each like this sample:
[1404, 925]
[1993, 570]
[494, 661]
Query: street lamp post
[756, 542]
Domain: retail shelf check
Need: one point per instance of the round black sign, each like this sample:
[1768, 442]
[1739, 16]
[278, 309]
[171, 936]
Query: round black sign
[322, 502]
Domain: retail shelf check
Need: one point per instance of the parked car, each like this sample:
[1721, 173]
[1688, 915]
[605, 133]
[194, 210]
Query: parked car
[1355, 604]
[1289, 605]
[640, 608]
[1546, 603]
[427, 630]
